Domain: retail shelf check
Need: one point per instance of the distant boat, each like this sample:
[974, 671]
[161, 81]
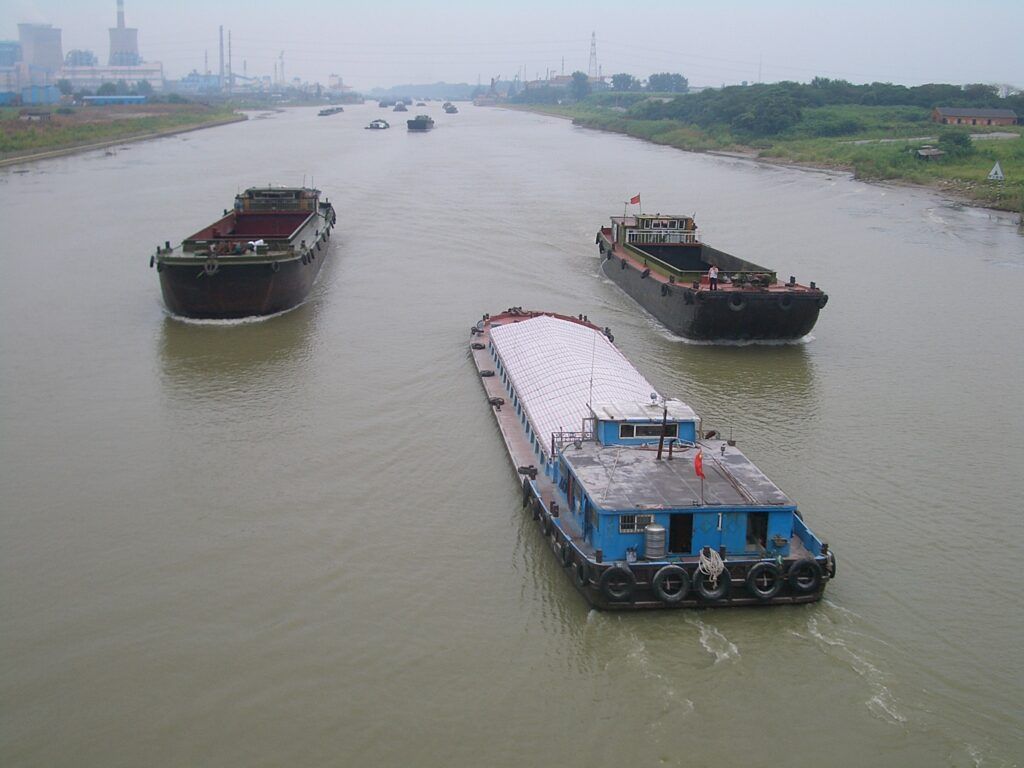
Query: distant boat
[330, 111]
[420, 123]
[451, 109]
[377, 125]
[400, 107]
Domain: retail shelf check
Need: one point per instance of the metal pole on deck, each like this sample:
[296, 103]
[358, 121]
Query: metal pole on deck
[664, 426]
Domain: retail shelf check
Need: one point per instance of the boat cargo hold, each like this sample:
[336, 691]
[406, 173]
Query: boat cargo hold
[259, 258]
[641, 506]
[662, 264]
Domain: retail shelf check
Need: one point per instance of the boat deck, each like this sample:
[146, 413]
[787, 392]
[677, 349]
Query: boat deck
[516, 442]
[631, 258]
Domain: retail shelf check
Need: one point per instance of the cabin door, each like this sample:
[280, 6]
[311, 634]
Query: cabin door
[680, 534]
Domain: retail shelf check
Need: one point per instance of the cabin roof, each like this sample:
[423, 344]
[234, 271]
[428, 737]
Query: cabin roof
[644, 411]
[551, 363]
[968, 112]
[624, 478]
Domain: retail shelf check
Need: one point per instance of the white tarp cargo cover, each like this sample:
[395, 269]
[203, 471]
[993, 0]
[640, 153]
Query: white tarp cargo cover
[549, 362]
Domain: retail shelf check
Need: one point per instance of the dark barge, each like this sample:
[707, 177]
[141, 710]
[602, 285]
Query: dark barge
[420, 123]
[260, 258]
[641, 506]
[662, 264]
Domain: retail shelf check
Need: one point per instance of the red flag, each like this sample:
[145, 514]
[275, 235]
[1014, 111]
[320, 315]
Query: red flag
[698, 465]
[635, 200]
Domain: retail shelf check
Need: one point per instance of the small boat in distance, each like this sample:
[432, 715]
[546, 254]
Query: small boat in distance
[330, 111]
[660, 261]
[400, 107]
[378, 125]
[451, 109]
[420, 123]
[259, 258]
[642, 506]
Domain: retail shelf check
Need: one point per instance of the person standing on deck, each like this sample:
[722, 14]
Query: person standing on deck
[713, 277]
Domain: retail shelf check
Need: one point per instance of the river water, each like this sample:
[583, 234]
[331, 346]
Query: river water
[299, 541]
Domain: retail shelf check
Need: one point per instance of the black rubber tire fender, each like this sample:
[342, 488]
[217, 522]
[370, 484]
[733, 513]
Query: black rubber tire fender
[757, 574]
[737, 302]
[527, 491]
[535, 509]
[831, 564]
[786, 302]
[581, 574]
[617, 584]
[545, 523]
[669, 573]
[702, 586]
[804, 576]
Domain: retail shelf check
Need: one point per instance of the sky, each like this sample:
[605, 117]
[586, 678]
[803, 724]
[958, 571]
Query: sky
[390, 42]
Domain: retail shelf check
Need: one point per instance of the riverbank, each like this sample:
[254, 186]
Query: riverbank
[877, 155]
[89, 128]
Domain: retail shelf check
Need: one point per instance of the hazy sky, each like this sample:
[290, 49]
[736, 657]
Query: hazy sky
[386, 42]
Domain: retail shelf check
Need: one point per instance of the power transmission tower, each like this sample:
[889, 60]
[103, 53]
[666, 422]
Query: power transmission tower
[592, 67]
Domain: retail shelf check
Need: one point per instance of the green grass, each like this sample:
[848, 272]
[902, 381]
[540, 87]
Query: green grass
[19, 139]
[826, 136]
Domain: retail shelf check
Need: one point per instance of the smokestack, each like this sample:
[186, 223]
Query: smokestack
[221, 80]
[120, 14]
[231, 77]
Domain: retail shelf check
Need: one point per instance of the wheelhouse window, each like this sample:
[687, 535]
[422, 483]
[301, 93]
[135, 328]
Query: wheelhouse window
[626, 430]
[634, 523]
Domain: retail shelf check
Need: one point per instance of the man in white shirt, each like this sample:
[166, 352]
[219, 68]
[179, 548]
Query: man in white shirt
[713, 277]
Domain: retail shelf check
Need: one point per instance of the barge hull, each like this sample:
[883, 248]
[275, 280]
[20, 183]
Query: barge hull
[237, 290]
[705, 315]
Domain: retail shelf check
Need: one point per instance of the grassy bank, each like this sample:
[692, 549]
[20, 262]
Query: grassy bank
[874, 143]
[86, 126]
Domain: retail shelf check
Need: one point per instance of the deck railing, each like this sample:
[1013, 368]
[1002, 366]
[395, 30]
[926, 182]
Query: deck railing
[558, 439]
[662, 237]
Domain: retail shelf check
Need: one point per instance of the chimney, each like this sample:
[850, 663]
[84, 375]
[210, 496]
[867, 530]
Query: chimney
[120, 14]
[221, 80]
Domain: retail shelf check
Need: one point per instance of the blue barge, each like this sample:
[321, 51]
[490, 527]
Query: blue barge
[642, 507]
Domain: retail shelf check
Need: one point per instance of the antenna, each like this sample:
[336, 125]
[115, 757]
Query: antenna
[593, 351]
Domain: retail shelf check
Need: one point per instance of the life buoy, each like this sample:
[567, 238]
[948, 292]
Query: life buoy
[617, 584]
[712, 592]
[737, 302]
[804, 576]
[670, 584]
[764, 580]
[275, 266]
[581, 574]
[211, 267]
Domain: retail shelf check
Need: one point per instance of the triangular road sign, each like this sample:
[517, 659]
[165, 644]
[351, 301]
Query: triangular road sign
[996, 174]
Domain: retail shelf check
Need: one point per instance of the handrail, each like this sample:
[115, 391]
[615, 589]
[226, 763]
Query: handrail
[558, 439]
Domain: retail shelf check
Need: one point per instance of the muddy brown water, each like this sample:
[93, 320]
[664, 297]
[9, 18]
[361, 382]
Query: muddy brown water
[299, 541]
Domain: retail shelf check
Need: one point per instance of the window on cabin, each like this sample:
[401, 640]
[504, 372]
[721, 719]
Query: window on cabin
[655, 430]
[626, 430]
[634, 523]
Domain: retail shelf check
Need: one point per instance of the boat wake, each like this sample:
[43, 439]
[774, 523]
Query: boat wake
[231, 321]
[667, 334]
[881, 703]
[714, 642]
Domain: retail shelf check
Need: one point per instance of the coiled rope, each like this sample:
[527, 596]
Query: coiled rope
[711, 565]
